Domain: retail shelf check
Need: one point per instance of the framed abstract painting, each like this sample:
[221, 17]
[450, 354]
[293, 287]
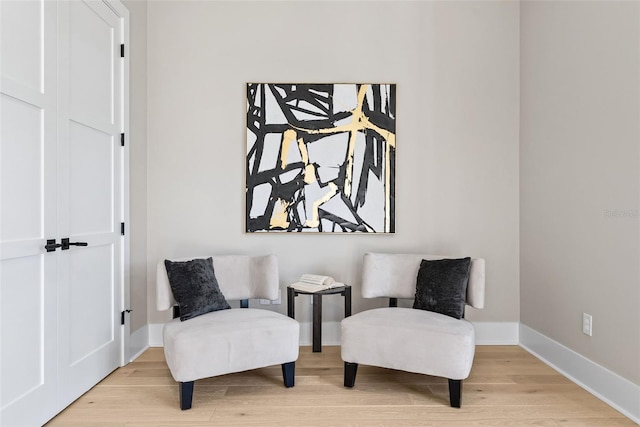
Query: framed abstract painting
[320, 158]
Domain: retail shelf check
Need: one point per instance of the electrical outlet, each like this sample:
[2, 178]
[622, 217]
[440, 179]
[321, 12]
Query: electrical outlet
[587, 324]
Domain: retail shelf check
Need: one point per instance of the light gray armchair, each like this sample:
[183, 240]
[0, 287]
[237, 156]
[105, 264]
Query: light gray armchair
[410, 339]
[230, 340]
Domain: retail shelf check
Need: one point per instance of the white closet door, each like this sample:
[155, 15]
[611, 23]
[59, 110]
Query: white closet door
[28, 337]
[60, 178]
[89, 196]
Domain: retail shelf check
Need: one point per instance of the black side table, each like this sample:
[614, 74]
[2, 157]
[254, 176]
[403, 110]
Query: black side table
[292, 293]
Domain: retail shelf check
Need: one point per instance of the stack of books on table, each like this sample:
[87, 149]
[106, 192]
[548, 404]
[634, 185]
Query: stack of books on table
[315, 283]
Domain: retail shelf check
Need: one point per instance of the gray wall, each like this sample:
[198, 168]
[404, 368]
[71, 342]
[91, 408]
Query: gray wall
[580, 177]
[456, 65]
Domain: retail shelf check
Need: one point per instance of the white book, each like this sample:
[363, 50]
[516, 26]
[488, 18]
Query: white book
[316, 279]
[316, 283]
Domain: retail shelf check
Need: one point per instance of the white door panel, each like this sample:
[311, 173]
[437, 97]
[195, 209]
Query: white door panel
[90, 334]
[91, 294]
[91, 180]
[28, 143]
[21, 35]
[22, 297]
[89, 198]
[21, 161]
[92, 46]
[28, 283]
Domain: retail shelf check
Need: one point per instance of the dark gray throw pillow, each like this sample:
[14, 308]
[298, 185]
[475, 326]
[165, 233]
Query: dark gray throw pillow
[195, 287]
[441, 286]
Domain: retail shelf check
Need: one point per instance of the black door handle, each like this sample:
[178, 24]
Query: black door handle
[66, 243]
[52, 245]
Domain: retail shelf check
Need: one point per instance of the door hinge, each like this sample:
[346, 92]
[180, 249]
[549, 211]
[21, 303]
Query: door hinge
[122, 316]
[122, 228]
[122, 51]
[122, 139]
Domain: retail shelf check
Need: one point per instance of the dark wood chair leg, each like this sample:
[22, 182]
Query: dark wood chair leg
[455, 393]
[350, 370]
[289, 373]
[186, 395]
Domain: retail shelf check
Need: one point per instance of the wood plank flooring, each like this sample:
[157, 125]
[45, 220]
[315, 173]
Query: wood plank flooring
[507, 387]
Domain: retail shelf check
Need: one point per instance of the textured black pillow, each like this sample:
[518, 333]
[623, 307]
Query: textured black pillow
[195, 287]
[442, 286]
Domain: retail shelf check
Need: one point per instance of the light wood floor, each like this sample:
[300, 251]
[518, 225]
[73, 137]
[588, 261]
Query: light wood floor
[507, 387]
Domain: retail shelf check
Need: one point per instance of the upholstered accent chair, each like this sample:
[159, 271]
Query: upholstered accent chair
[229, 340]
[410, 339]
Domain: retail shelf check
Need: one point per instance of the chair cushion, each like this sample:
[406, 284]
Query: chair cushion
[195, 287]
[227, 341]
[410, 340]
[442, 286]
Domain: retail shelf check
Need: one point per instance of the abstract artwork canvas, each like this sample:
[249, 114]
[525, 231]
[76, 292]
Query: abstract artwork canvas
[320, 158]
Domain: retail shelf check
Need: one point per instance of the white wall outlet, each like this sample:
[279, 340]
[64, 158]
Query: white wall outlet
[587, 324]
[265, 302]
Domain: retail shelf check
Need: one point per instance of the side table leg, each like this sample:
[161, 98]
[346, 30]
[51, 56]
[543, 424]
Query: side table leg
[317, 323]
[347, 302]
[291, 302]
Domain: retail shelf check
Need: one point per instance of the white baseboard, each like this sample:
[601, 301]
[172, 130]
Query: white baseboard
[330, 333]
[497, 333]
[155, 335]
[618, 392]
[138, 342]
